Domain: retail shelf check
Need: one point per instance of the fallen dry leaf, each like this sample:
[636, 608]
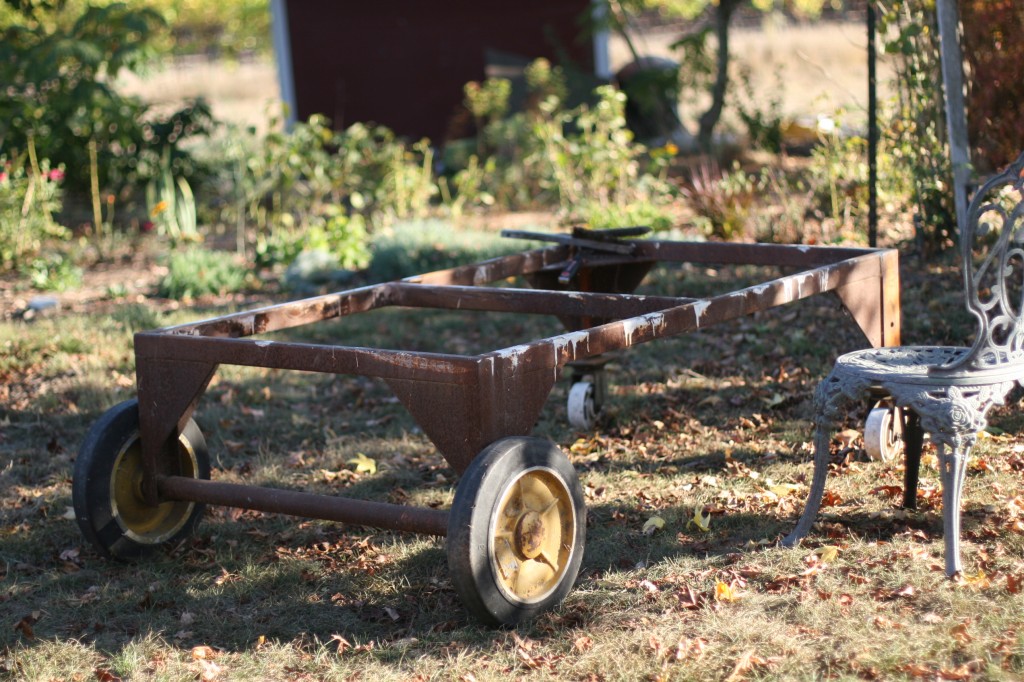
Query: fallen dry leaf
[343, 644]
[363, 464]
[746, 663]
[960, 634]
[210, 671]
[783, 489]
[918, 670]
[653, 524]
[1014, 584]
[883, 623]
[583, 643]
[24, 626]
[725, 592]
[700, 520]
[831, 499]
[202, 652]
[827, 554]
[688, 599]
[847, 437]
[691, 648]
[964, 671]
[656, 646]
[978, 581]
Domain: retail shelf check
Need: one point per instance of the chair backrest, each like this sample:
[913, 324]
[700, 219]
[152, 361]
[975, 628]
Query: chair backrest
[992, 251]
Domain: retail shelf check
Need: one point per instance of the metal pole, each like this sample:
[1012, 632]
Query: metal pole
[872, 131]
[308, 505]
[956, 109]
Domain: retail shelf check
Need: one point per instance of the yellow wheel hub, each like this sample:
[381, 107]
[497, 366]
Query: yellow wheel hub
[142, 522]
[533, 535]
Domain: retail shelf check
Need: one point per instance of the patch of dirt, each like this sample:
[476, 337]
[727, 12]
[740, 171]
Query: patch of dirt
[130, 277]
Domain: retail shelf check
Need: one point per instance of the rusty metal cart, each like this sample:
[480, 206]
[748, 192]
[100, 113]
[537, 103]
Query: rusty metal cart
[515, 532]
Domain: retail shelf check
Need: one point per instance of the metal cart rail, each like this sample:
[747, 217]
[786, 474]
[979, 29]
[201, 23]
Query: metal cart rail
[516, 527]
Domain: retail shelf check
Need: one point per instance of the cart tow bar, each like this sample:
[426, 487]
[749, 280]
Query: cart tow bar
[585, 243]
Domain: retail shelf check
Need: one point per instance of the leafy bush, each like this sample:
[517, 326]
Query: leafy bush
[839, 174]
[314, 187]
[58, 94]
[228, 29]
[197, 272]
[344, 237]
[763, 123]
[57, 61]
[415, 247]
[583, 158]
[916, 137]
[215, 28]
[30, 196]
[720, 200]
[52, 272]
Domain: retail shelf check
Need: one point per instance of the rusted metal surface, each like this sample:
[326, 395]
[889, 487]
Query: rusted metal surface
[308, 505]
[465, 402]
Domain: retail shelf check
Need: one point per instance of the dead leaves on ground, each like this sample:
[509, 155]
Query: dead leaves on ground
[692, 649]
[728, 587]
[346, 553]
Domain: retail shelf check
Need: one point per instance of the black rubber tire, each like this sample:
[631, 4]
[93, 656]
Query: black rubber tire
[478, 497]
[117, 432]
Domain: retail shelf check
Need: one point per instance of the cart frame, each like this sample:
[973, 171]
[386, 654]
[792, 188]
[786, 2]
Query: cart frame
[465, 402]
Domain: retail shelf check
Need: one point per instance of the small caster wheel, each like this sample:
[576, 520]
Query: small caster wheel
[106, 487]
[582, 405]
[883, 433]
[516, 530]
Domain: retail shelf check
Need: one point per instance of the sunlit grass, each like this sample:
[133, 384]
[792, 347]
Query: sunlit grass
[711, 423]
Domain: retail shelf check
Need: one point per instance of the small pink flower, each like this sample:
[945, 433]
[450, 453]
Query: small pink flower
[56, 175]
[3, 176]
[147, 226]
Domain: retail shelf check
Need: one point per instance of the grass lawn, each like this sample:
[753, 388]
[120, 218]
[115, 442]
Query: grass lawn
[714, 422]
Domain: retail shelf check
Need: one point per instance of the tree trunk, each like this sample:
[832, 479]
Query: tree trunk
[709, 119]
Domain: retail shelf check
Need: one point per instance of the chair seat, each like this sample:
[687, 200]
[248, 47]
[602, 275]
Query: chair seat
[920, 365]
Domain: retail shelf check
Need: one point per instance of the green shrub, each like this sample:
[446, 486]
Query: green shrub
[763, 120]
[30, 196]
[52, 272]
[415, 247]
[317, 188]
[197, 272]
[916, 137]
[58, 95]
[583, 159]
[721, 201]
[839, 175]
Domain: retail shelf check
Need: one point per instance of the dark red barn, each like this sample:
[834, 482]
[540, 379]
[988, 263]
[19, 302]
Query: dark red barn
[402, 63]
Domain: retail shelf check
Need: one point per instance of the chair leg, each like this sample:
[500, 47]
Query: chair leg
[953, 466]
[822, 436]
[913, 443]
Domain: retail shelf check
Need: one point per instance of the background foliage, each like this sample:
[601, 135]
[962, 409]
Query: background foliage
[917, 132]
[992, 31]
[219, 29]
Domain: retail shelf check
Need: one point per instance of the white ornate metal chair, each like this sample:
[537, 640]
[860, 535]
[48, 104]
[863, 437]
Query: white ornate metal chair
[943, 391]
